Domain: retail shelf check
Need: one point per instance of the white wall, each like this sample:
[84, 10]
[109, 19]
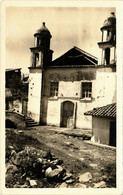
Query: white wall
[103, 92]
[34, 95]
[105, 87]
[101, 130]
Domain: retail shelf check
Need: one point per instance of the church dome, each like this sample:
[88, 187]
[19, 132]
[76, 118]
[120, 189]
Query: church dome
[43, 30]
[110, 22]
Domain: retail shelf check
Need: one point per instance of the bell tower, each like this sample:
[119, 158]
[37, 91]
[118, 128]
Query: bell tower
[108, 42]
[41, 53]
[41, 57]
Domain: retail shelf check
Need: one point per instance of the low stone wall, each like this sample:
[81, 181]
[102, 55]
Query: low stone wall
[17, 118]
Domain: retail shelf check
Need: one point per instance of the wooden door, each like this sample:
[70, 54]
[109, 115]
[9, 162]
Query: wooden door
[67, 112]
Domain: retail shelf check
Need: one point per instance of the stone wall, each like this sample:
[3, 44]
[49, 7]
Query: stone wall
[17, 118]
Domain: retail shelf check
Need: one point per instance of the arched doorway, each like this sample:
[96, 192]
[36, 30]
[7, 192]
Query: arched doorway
[67, 111]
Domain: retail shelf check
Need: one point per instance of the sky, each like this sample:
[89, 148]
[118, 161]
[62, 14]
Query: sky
[69, 26]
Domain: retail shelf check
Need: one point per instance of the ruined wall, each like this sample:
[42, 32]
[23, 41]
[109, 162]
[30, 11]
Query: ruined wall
[17, 118]
[15, 105]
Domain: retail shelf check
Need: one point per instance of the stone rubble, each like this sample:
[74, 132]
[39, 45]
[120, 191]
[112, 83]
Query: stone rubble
[80, 185]
[33, 182]
[101, 184]
[63, 185]
[85, 177]
[31, 165]
[34, 168]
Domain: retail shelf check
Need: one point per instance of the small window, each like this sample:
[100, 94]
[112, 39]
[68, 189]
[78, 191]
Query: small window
[53, 89]
[87, 90]
[37, 56]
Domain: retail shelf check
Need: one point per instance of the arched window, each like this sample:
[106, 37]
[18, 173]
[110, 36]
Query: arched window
[37, 56]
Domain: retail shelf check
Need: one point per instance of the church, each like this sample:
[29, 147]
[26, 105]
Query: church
[62, 90]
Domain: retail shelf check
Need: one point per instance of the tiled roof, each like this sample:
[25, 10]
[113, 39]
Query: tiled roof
[104, 111]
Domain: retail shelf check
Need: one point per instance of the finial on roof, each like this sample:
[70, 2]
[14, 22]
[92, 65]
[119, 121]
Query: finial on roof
[43, 23]
[113, 13]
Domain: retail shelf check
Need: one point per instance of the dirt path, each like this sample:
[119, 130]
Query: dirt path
[78, 156]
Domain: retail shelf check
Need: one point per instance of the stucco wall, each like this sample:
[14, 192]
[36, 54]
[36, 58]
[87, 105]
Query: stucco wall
[34, 95]
[70, 81]
[105, 87]
[101, 130]
[103, 92]
[69, 90]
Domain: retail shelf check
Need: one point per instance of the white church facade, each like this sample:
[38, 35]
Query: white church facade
[62, 90]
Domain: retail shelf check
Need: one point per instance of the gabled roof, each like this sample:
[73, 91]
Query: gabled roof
[104, 111]
[75, 57]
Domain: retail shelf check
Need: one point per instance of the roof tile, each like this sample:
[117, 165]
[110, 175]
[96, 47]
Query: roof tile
[104, 111]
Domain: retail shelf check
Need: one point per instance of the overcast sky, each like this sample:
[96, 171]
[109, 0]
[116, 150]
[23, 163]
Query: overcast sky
[68, 26]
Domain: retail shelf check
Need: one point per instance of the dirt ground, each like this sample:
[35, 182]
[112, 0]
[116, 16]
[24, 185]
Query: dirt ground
[78, 156]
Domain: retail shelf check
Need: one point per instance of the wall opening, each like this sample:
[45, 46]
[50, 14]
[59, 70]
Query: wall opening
[112, 139]
[67, 112]
[10, 124]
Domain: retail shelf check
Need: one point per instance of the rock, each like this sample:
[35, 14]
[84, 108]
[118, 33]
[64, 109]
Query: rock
[63, 185]
[40, 160]
[11, 147]
[16, 160]
[104, 177]
[69, 181]
[85, 177]
[9, 178]
[93, 165]
[39, 184]
[13, 153]
[80, 185]
[56, 162]
[97, 179]
[8, 167]
[27, 178]
[71, 150]
[68, 176]
[82, 159]
[55, 172]
[32, 183]
[47, 172]
[25, 186]
[101, 184]
[97, 174]
[11, 168]
[20, 131]
[16, 186]
[68, 143]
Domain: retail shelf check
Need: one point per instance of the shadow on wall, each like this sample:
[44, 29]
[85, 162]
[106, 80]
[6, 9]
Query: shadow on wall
[10, 124]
